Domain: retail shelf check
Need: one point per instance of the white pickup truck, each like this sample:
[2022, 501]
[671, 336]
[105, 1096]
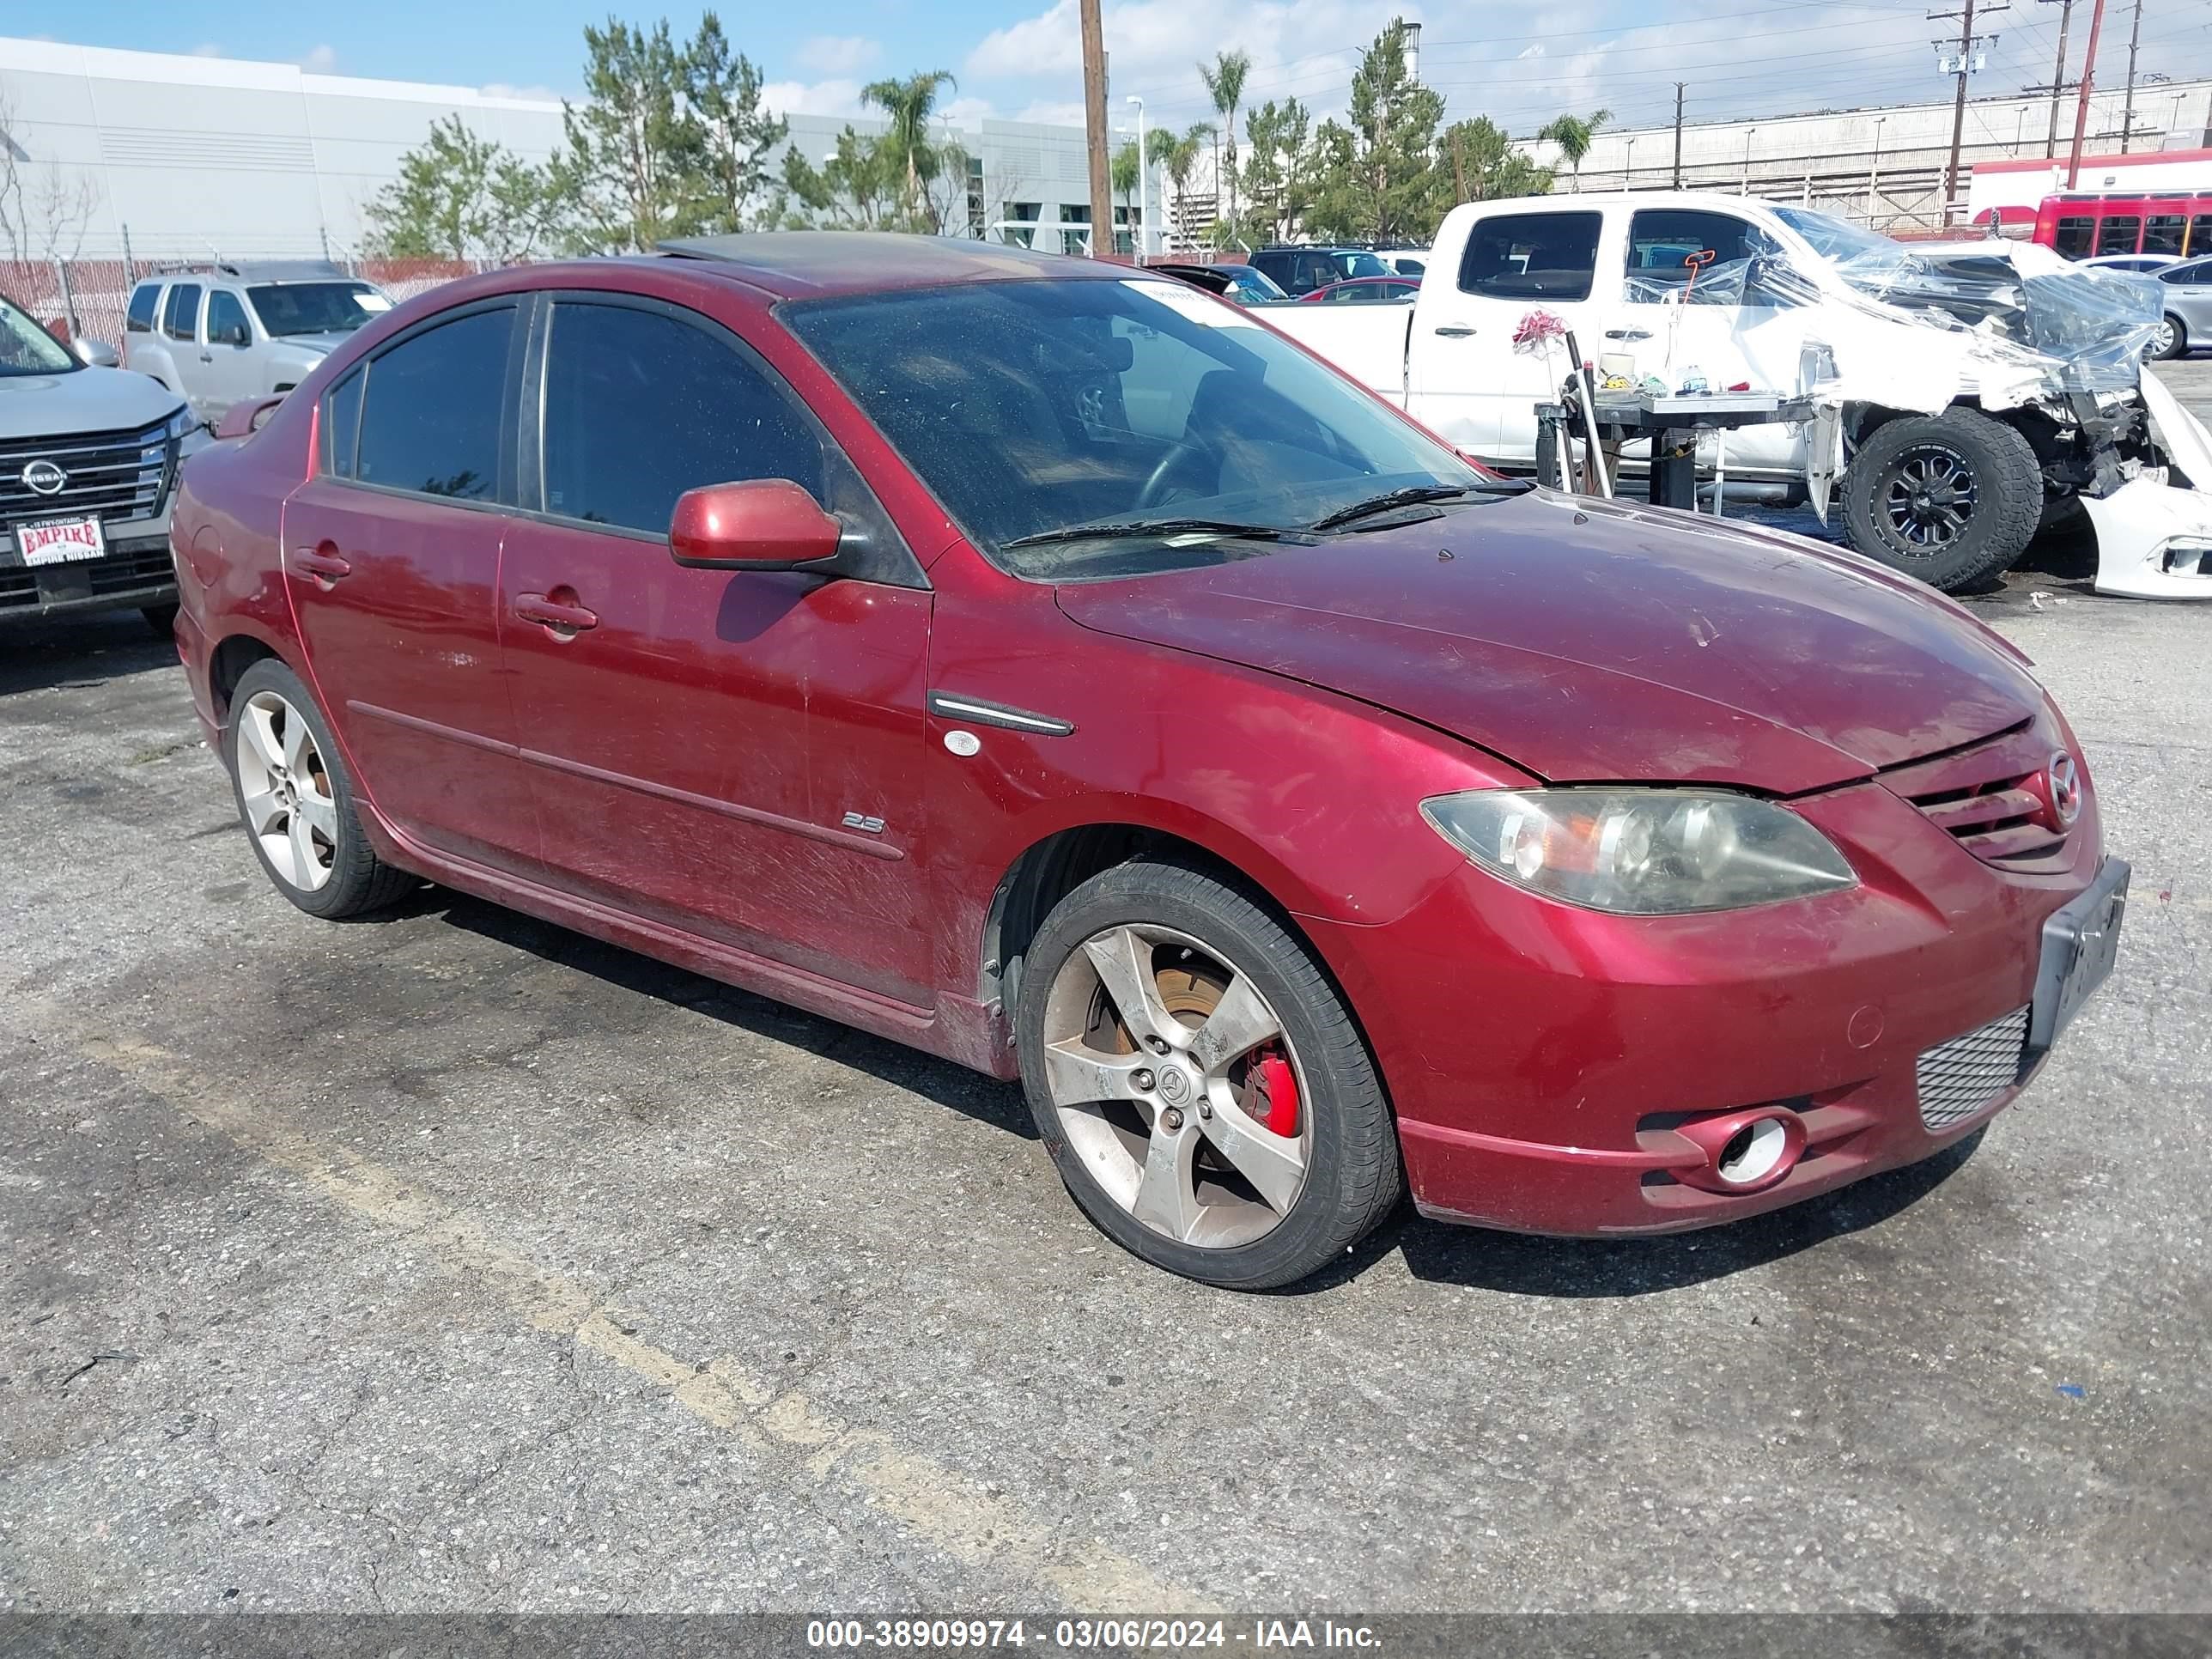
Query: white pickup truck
[1979, 388]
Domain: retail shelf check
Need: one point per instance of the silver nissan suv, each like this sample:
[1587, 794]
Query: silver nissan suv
[218, 335]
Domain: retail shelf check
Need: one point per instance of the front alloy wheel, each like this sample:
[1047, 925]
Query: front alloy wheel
[1177, 1086]
[1931, 493]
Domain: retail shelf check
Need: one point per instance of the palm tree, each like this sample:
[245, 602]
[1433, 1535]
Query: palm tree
[1572, 134]
[1179, 156]
[909, 104]
[1225, 83]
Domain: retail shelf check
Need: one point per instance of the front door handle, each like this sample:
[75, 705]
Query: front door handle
[206, 356]
[322, 564]
[550, 613]
[1628, 334]
[1454, 331]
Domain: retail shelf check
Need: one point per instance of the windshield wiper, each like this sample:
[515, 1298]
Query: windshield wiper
[1413, 496]
[1085, 532]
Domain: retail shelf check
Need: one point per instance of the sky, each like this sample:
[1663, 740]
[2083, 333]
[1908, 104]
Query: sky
[1019, 59]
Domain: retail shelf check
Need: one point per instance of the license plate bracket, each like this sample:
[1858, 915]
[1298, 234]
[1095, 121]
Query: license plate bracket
[2081, 941]
[61, 541]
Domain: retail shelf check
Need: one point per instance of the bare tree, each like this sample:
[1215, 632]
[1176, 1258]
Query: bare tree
[45, 211]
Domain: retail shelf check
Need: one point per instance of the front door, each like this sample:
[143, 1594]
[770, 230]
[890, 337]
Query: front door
[733, 753]
[392, 557]
[1470, 383]
[226, 372]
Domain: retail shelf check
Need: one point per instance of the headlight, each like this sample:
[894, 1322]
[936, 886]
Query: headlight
[187, 431]
[1641, 852]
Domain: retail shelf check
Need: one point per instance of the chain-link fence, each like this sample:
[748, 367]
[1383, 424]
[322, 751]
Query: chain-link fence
[87, 297]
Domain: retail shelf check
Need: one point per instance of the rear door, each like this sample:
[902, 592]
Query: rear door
[1470, 384]
[181, 341]
[733, 753]
[392, 558]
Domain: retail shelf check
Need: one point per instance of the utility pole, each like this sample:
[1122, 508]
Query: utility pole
[2128, 112]
[1094, 130]
[2089, 85]
[1968, 48]
[1678, 134]
[2058, 82]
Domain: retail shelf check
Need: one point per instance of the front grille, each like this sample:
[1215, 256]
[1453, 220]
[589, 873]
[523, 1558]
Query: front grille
[112, 476]
[1990, 799]
[1958, 1078]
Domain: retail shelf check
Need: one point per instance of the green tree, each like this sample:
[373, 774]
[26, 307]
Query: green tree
[459, 196]
[1378, 176]
[1484, 164]
[1224, 84]
[732, 138]
[627, 169]
[1278, 169]
[861, 186]
[909, 105]
[1572, 134]
[1179, 155]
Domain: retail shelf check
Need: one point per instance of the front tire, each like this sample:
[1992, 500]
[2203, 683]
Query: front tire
[296, 800]
[1948, 498]
[1199, 1082]
[2171, 339]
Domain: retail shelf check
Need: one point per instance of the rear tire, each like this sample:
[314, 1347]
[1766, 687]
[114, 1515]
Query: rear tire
[1948, 498]
[1166, 1124]
[2171, 339]
[296, 800]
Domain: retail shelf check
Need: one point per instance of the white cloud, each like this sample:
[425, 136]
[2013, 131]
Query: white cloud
[838, 96]
[839, 54]
[535, 94]
[1064, 114]
[966, 112]
[320, 60]
[1537, 51]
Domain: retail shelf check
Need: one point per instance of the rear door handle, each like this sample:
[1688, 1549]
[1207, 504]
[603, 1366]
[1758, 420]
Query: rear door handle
[1628, 334]
[1454, 331]
[549, 613]
[325, 566]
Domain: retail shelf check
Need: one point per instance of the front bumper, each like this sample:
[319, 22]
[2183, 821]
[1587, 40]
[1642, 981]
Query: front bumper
[1542, 1060]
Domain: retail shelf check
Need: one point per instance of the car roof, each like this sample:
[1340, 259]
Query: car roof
[258, 270]
[809, 264]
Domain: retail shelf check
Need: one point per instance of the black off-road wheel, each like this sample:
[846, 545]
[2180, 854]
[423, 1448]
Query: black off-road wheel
[1199, 1081]
[1948, 498]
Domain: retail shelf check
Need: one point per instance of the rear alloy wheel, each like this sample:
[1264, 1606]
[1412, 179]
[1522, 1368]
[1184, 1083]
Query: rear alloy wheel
[1948, 498]
[296, 800]
[1199, 1082]
[2170, 340]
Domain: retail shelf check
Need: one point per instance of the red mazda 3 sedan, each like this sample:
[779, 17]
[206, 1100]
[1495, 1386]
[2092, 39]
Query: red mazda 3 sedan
[1052, 667]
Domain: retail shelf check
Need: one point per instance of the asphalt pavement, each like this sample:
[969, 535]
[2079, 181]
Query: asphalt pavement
[455, 1262]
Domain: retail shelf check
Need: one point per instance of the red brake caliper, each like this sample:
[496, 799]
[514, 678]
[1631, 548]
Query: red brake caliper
[1278, 1093]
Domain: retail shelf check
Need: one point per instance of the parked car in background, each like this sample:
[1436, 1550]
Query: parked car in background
[2186, 299]
[1405, 261]
[2135, 262]
[1242, 283]
[1363, 291]
[1049, 665]
[1298, 270]
[223, 334]
[87, 456]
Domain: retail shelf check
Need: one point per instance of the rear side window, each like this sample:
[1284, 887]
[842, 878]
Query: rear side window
[145, 300]
[2200, 234]
[641, 407]
[430, 414]
[2117, 233]
[2076, 235]
[1661, 241]
[2162, 233]
[342, 424]
[182, 317]
[1532, 256]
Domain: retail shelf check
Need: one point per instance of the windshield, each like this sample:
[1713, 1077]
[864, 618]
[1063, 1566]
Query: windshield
[315, 307]
[26, 348]
[1835, 238]
[1032, 408]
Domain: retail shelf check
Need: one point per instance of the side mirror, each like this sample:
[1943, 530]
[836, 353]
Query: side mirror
[242, 418]
[94, 354]
[760, 524]
[238, 335]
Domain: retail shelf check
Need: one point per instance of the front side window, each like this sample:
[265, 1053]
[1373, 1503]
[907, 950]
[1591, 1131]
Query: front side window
[1532, 256]
[182, 319]
[1662, 242]
[431, 413]
[287, 308]
[1411, 267]
[1035, 408]
[225, 320]
[641, 407]
[26, 348]
[2117, 233]
[145, 300]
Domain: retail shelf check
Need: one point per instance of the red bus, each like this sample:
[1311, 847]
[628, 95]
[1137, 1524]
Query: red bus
[2082, 224]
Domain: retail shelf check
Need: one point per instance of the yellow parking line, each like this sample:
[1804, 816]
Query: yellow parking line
[953, 1512]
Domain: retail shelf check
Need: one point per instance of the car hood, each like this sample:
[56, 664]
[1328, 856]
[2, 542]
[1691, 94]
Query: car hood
[1587, 641]
[80, 400]
[321, 345]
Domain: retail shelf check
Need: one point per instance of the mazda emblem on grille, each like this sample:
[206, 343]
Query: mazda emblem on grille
[2065, 789]
[45, 478]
